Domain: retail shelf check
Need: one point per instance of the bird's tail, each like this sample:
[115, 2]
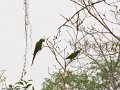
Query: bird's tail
[33, 60]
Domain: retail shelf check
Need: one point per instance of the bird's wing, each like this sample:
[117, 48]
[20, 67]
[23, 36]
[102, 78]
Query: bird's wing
[70, 56]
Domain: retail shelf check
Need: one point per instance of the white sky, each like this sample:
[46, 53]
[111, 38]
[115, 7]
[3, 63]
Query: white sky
[45, 19]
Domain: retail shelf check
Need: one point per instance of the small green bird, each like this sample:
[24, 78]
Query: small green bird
[73, 55]
[38, 47]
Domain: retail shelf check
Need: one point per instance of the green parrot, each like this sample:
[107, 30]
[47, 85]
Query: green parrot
[38, 47]
[73, 55]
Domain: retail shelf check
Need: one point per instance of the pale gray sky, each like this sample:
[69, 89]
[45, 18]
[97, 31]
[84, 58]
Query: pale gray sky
[45, 19]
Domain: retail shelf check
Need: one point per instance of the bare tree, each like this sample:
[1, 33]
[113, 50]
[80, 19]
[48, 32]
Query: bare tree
[94, 30]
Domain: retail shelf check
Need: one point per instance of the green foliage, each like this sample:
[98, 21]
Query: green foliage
[115, 46]
[92, 78]
[79, 81]
[54, 83]
[24, 85]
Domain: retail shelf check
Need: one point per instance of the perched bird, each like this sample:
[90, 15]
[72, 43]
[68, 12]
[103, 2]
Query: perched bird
[73, 55]
[38, 47]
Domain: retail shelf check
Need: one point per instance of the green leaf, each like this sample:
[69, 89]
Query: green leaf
[27, 86]
[10, 86]
[29, 80]
[33, 88]
[20, 83]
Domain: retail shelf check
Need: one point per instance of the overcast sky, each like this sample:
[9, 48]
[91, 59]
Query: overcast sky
[45, 19]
